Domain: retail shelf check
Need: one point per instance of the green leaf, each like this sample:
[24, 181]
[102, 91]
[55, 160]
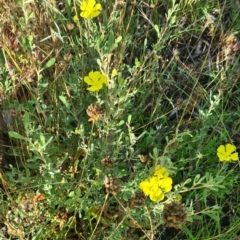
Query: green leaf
[99, 41]
[40, 76]
[44, 84]
[22, 21]
[197, 177]
[69, 9]
[157, 30]
[121, 123]
[155, 153]
[110, 41]
[42, 139]
[187, 181]
[129, 119]
[49, 63]
[26, 119]
[16, 135]
[213, 216]
[52, 150]
[64, 100]
[118, 40]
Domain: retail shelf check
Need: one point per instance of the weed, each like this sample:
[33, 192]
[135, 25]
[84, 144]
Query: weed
[113, 116]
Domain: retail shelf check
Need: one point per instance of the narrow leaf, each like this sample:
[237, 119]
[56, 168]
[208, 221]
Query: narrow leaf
[16, 135]
[49, 63]
[26, 119]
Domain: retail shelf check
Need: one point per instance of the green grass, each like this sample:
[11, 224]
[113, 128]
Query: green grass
[174, 100]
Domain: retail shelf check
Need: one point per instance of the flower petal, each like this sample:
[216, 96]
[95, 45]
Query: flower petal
[160, 172]
[166, 184]
[93, 88]
[95, 80]
[156, 196]
[98, 7]
[230, 148]
[157, 184]
[94, 14]
[153, 180]
[88, 80]
[85, 14]
[145, 186]
[104, 79]
[221, 149]
[114, 72]
[222, 154]
[90, 9]
[234, 156]
[96, 10]
[95, 76]
[97, 87]
[83, 6]
[87, 5]
[221, 157]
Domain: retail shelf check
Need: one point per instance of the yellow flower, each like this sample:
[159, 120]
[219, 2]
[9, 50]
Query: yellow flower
[160, 171]
[114, 72]
[155, 186]
[226, 153]
[165, 184]
[151, 189]
[90, 9]
[77, 131]
[96, 80]
[75, 18]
